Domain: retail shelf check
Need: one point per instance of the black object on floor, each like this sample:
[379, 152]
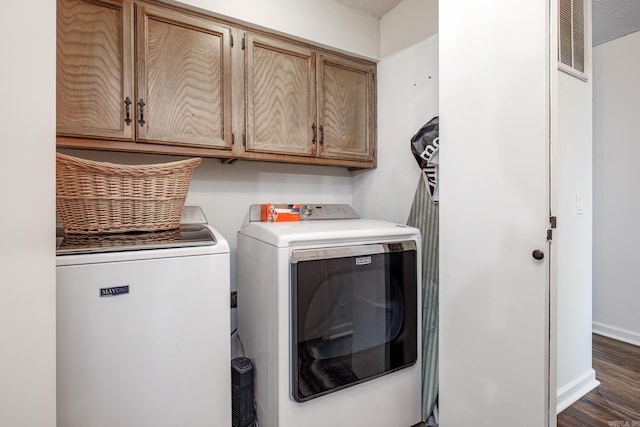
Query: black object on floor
[242, 413]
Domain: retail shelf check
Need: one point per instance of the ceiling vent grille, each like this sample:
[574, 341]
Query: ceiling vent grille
[571, 37]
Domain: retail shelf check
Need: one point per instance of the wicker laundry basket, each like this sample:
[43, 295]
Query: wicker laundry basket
[120, 240]
[99, 197]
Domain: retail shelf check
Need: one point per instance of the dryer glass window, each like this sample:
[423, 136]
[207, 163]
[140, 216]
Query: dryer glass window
[354, 315]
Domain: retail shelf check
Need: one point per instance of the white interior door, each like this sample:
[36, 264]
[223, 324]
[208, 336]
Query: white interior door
[494, 212]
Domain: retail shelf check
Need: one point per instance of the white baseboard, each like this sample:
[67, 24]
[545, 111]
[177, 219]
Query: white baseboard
[616, 333]
[572, 392]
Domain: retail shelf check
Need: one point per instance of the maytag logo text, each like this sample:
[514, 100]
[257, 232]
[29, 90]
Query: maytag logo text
[116, 290]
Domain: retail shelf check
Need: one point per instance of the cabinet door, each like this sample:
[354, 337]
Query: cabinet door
[184, 79]
[94, 68]
[280, 97]
[346, 109]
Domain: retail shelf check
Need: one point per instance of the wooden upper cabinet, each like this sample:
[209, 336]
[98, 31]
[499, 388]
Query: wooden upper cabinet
[305, 102]
[280, 97]
[346, 109]
[183, 79]
[154, 77]
[94, 71]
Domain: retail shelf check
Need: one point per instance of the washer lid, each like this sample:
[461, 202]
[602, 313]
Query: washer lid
[185, 236]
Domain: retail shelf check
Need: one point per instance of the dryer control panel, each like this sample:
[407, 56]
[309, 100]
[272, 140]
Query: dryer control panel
[310, 212]
[330, 211]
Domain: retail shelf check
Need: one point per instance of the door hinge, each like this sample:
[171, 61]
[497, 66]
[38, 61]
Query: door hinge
[553, 221]
[244, 140]
[232, 41]
[233, 139]
[243, 43]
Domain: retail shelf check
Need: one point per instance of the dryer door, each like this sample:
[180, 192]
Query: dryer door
[354, 315]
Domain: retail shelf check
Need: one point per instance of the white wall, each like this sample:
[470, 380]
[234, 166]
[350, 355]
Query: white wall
[27, 138]
[573, 238]
[407, 99]
[326, 22]
[616, 233]
[407, 24]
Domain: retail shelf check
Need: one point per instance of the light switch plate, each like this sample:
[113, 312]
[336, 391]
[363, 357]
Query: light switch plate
[579, 204]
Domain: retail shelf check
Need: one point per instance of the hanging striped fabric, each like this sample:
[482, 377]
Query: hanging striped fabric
[424, 216]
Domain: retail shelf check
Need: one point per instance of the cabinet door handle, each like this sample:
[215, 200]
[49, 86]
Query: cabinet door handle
[141, 104]
[127, 113]
[321, 135]
[313, 128]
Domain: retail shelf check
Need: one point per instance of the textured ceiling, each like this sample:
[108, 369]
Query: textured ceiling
[614, 18]
[376, 8]
[611, 18]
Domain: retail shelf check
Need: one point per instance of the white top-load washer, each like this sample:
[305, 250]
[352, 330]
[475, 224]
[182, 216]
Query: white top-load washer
[329, 312]
[143, 328]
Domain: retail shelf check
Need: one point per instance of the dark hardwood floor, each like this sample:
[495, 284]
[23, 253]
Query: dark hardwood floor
[616, 402]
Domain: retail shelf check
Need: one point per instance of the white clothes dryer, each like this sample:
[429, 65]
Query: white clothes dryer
[329, 312]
